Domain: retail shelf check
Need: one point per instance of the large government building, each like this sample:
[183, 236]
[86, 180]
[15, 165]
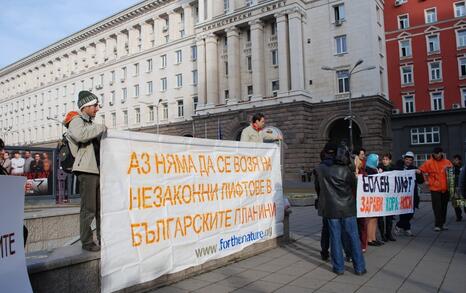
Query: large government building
[202, 68]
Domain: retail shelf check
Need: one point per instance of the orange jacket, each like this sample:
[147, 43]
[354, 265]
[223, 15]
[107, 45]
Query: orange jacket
[436, 173]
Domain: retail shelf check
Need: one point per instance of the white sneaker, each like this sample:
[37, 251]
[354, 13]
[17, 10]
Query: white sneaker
[444, 227]
[437, 229]
[408, 233]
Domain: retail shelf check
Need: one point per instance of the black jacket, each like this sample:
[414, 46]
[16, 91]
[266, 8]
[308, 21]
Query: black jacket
[336, 187]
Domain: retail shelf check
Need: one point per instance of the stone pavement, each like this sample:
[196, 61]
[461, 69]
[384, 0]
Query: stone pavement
[428, 262]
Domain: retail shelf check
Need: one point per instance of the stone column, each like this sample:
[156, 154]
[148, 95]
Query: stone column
[257, 58]
[296, 50]
[201, 72]
[100, 52]
[201, 4]
[133, 40]
[212, 70]
[121, 42]
[158, 31]
[146, 35]
[283, 52]
[174, 19]
[210, 9]
[234, 69]
[110, 45]
[188, 19]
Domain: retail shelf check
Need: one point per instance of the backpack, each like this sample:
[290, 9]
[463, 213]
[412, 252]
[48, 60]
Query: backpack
[65, 157]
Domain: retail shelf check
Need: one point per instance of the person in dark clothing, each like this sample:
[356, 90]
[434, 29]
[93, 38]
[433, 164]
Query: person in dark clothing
[325, 233]
[337, 184]
[404, 225]
[37, 166]
[457, 165]
[386, 223]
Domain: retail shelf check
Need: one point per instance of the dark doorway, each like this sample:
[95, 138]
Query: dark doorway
[338, 132]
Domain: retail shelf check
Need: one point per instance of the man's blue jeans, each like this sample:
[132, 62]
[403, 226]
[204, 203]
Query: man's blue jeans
[337, 227]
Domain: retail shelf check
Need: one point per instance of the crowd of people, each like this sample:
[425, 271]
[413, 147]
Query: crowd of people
[336, 185]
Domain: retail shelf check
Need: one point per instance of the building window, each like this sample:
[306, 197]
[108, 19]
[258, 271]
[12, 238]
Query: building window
[408, 104]
[250, 92]
[164, 111]
[249, 63]
[435, 71]
[273, 28]
[112, 98]
[101, 104]
[113, 119]
[460, 10]
[340, 44]
[112, 77]
[433, 44]
[431, 15]
[226, 6]
[425, 135]
[124, 94]
[194, 77]
[149, 65]
[195, 103]
[419, 159]
[339, 13]
[179, 57]
[461, 39]
[136, 69]
[123, 73]
[179, 80]
[343, 81]
[137, 115]
[403, 21]
[405, 48]
[250, 3]
[436, 99]
[180, 106]
[163, 61]
[125, 117]
[227, 95]
[462, 67]
[275, 87]
[407, 74]
[136, 90]
[150, 88]
[151, 113]
[194, 53]
[463, 97]
[163, 84]
[226, 67]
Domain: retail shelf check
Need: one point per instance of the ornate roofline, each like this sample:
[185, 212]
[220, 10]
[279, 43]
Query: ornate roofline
[86, 33]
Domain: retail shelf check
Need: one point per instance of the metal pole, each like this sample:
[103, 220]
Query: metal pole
[350, 108]
[157, 108]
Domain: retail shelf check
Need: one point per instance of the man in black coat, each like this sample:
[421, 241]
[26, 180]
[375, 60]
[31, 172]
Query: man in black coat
[337, 203]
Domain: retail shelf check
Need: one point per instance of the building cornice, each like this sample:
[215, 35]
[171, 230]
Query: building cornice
[87, 33]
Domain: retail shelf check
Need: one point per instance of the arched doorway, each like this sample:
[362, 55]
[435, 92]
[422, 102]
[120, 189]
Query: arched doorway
[338, 133]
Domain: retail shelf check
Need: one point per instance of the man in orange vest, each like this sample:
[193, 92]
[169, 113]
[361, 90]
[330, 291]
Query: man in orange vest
[435, 170]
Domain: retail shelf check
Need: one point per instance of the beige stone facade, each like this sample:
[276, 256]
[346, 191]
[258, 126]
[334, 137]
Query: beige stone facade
[174, 62]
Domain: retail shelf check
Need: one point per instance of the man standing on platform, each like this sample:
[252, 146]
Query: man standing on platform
[85, 137]
[255, 132]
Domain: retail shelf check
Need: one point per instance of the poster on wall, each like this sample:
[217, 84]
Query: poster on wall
[36, 165]
[170, 203]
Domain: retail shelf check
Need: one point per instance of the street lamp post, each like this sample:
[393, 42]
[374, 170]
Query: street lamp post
[157, 108]
[350, 108]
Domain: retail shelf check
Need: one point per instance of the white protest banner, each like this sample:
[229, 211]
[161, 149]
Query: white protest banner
[169, 203]
[13, 273]
[385, 194]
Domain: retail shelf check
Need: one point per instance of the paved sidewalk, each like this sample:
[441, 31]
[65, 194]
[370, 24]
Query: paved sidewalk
[428, 262]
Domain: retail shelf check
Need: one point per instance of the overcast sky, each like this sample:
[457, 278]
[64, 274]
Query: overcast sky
[27, 26]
